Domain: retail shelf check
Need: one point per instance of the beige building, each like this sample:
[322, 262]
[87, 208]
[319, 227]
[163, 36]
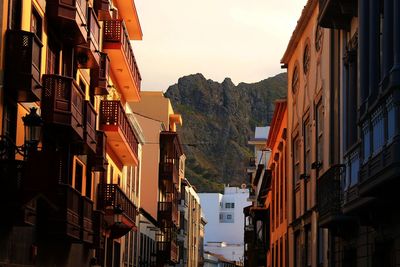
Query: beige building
[308, 128]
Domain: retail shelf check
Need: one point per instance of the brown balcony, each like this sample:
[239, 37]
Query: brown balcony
[121, 137]
[111, 197]
[87, 220]
[99, 162]
[99, 76]
[103, 9]
[117, 45]
[127, 11]
[168, 212]
[336, 13]
[65, 221]
[87, 54]
[329, 193]
[167, 251]
[89, 133]
[63, 103]
[169, 171]
[23, 57]
[70, 18]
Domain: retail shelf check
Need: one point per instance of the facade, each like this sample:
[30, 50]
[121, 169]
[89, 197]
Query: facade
[257, 221]
[225, 211]
[310, 152]
[357, 195]
[164, 151]
[276, 197]
[190, 223]
[72, 195]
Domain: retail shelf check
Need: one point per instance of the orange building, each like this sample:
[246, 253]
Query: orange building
[276, 198]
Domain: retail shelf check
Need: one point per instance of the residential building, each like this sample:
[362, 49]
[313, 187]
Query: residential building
[357, 195]
[310, 134]
[257, 218]
[164, 166]
[217, 260]
[70, 190]
[190, 224]
[225, 211]
[276, 198]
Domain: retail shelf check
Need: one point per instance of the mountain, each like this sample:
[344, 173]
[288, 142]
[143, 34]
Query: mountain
[218, 120]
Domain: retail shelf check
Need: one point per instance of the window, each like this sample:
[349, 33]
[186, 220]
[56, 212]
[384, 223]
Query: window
[229, 205]
[53, 58]
[306, 59]
[36, 23]
[79, 179]
[229, 217]
[319, 132]
[297, 250]
[307, 146]
[295, 80]
[221, 217]
[308, 246]
[320, 247]
[296, 159]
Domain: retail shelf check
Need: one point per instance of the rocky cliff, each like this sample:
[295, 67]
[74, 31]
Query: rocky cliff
[218, 120]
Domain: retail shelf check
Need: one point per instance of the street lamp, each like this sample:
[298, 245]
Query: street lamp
[118, 214]
[33, 129]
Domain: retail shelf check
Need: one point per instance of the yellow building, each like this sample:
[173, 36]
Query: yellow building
[308, 128]
[77, 195]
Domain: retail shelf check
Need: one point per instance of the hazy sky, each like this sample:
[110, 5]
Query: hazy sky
[240, 39]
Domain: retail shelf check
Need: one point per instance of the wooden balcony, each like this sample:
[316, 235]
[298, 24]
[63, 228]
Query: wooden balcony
[111, 197]
[99, 76]
[89, 134]
[117, 45]
[120, 134]
[103, 9]
[99, 162]
[169, 171]
[87, 55]
[167, 213]
[336, 13]
[330, 194]
[87, 220]
[127, 11]
[22, 68]
[167, 252]
[70, 19]
[65, 221]
[63, 103]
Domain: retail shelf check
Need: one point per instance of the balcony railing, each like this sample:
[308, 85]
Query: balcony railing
[111, 195]
[87, 220]
[90, 127]
[118, 47]
[99, 76]
[127, 11]
[115, 123]
[99, 159]
[23, 61]
[87, 54]
[64, 221]
[103, 9]
[168, 211]
[63, 103]
[167, 251]
[70, 17]
[330, 195]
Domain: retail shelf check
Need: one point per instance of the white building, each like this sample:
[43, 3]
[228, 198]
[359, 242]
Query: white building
[224, 214]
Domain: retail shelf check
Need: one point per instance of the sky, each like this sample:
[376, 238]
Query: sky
[240, 39]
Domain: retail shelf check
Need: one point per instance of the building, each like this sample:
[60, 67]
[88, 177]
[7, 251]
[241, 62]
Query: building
[191, 247]
[225, 211]
[257, 221]
[212, 259]
[357, 195]
[71, 176]
[164, 166]
[276, 198]
[310, 134]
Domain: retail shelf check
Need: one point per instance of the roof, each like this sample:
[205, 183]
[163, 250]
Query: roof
[277, 120]
[298, 31]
